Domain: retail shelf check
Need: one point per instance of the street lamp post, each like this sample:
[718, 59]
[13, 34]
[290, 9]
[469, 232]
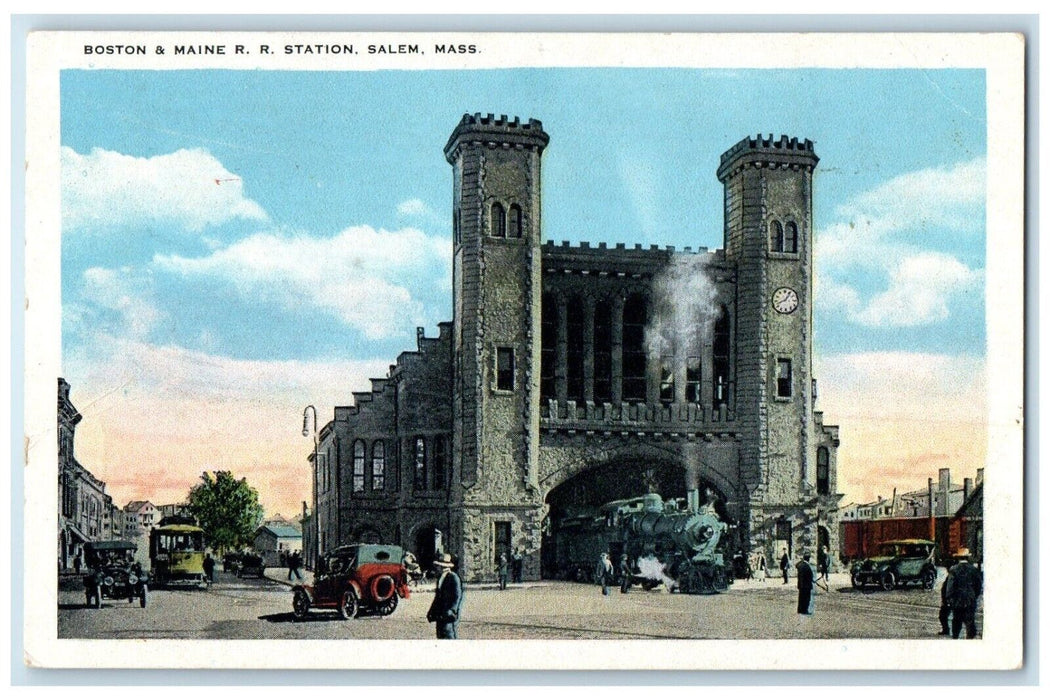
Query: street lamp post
[317, 520]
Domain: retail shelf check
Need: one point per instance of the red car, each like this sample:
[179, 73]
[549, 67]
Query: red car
[355, 579]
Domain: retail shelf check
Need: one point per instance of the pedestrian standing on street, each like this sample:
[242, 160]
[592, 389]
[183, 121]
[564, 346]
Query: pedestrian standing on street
[77, 563]
[625, 574]
[295, 562]
[946, 609]
[784, 564]
[209, 567]
[963, 592]
[501, 571]
[762, 567]
[518, 565]
[824, 563]
[605, 573]
[448, 599]
[806, 580]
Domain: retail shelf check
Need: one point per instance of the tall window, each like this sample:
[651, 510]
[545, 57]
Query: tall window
[455, 226]
[498, 223]
[439, 462]
[514, 229]
[574, 350]
[602, 352]
[501, 538]
[635, 315]
[667, 378]
[823, 471]
[419, 476]
[692, 379]
[378, 466]
[548, 347]
[783, 378]
[505, 369]
[776, 237]
[720, 358]
[359, 466]
[791, 237]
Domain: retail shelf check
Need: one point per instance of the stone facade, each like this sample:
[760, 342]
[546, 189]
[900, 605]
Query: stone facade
[575, 374]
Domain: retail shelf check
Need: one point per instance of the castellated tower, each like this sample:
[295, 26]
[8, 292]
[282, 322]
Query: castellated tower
[496, 329]
[769, 235]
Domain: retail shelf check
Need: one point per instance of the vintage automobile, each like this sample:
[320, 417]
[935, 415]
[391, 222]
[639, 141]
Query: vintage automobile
[898, 563]
[113, 573]
[231, 562]
[355, 579]
[251, 565]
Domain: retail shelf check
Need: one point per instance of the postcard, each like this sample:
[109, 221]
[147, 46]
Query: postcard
[524, 351]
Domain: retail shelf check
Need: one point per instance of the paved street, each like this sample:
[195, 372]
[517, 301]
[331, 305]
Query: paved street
[261, 608]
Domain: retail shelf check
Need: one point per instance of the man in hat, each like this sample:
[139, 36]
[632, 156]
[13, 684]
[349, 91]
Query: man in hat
[964, 588]
[448, 599]
[806, 581]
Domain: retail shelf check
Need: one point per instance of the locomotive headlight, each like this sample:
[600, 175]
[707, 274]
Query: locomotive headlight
[133, 579]
[108, 581]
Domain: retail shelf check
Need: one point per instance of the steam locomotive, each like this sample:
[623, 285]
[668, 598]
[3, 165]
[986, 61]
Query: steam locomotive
[664, 543]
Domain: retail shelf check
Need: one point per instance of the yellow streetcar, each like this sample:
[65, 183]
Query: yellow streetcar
[176, 552]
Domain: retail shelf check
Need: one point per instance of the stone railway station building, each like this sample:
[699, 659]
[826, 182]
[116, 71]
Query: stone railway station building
[555, 387]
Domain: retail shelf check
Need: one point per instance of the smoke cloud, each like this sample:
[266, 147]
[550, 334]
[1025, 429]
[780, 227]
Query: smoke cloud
[653, 568]
[684, 307]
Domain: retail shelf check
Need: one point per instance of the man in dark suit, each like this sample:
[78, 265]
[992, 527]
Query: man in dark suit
[806, 580]
[448, 599]
[784, 564]
[964, 588]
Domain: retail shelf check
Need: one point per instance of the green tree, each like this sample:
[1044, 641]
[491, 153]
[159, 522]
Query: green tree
[227, 508]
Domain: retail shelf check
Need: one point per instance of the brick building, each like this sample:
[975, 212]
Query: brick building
[572, 375]
[86, 513]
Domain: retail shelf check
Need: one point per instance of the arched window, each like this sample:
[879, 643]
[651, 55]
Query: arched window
[548, 346]
[823, 471]
[791, 238]
[602, 352]
[359, 466]
[498, 222]
[419, 475]
[574, 348]
[378, 466]
[720, 358]
[635, 316]
[439, 462]
[776, 237]
[515, 222]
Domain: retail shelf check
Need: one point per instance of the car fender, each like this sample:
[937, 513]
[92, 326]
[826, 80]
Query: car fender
[358, 591]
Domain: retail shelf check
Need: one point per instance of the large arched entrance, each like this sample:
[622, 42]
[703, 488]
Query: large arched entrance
[577, 532]
[427, 542]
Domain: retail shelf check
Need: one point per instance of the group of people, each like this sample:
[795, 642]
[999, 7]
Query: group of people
[608, 576]
[511, 568]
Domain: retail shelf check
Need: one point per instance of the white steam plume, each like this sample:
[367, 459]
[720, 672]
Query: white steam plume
[684, 308]
[652, 568]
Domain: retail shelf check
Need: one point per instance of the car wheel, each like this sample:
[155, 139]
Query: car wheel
[143, 596]
[929, 579]
[857, 583]
[383, 588]
[387, 607]
[98, 597]
[349, 606]
[888, 581]
[300, 605]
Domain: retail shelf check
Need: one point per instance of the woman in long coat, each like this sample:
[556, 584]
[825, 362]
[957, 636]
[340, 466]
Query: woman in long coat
[806, 579]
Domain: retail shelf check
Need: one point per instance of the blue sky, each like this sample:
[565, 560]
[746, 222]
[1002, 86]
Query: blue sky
[302, 219]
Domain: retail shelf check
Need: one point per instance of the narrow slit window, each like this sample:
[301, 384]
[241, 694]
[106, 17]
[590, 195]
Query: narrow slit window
[776, 237]
[505, 369]
[784, 378]
[419, 480]
[499, 220]
[378, 466]
[514, 228]
[791, 238]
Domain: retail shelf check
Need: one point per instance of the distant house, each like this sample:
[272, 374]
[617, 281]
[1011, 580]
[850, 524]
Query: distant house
[272, 540]
[145, 512]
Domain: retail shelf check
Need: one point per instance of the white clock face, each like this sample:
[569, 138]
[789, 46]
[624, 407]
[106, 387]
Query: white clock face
[785, 300]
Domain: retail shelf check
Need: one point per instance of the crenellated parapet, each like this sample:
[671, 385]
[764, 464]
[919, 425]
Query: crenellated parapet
[762, 152]
[496, 132]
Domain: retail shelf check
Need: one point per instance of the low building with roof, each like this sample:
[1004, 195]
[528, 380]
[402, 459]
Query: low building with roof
[272, 540]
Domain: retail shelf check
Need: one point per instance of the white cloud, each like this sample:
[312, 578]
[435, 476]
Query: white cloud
[919, 291]
[123, 291]
[188, 188]
[362, 276]
[877, 265]
[413, 207]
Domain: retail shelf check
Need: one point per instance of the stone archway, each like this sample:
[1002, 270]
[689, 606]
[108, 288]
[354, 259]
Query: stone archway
[424, 541]
[576, 531]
